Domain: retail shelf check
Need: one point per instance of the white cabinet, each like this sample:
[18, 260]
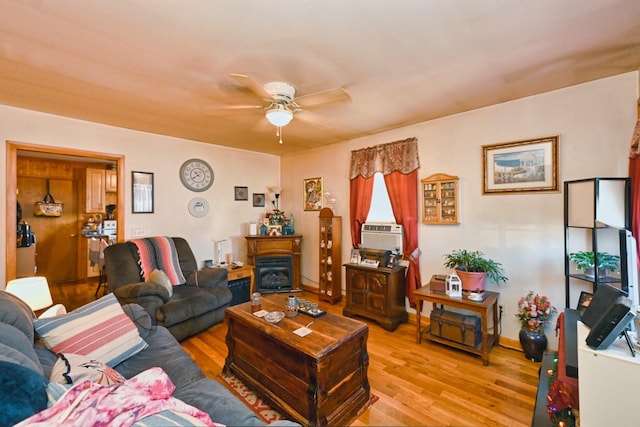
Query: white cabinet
[608, 383]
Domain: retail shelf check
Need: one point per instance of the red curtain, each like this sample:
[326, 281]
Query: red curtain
[634, 174]
[403, 193]
[359, 204]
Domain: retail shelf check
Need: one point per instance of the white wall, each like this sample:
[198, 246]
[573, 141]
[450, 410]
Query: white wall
[524, 232]
[163, 156]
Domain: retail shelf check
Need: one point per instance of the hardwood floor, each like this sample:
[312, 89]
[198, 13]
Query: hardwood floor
[423, 384]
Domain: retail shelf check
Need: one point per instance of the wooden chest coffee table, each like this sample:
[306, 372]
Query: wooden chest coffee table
[319, 379]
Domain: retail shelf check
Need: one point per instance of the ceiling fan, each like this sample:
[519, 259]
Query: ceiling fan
[281, 103]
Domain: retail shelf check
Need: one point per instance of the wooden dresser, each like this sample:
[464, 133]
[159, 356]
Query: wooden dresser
[377, 294]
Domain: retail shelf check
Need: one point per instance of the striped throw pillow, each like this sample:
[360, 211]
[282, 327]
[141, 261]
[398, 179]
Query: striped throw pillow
[100, 330]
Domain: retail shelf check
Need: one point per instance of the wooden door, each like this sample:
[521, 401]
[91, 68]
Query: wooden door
[56, 237]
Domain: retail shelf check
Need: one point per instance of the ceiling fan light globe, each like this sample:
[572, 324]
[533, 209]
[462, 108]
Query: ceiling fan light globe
[279, 116]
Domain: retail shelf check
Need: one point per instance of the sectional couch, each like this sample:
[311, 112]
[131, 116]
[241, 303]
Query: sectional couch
[26, 365]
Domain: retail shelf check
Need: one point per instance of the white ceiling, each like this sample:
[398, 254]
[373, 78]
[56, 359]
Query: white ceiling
[163, 66]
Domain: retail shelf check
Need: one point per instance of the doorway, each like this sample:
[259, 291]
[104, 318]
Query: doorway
[56, 237]
[14, 150]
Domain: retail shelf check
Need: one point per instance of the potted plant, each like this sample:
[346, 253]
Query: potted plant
[586, 260]
[473, 268]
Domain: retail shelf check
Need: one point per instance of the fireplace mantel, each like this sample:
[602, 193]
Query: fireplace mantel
[274, 246]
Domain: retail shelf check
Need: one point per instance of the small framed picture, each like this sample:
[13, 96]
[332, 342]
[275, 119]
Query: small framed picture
[274, 230]
[241, 193]
[312, 194]
[355, 256]
[258, 200]
[584, 301]
[141, 192]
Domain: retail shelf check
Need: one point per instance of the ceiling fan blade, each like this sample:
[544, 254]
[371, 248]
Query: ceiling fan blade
[241, 107]
[252, 85]
[311, 118]
[324, 97]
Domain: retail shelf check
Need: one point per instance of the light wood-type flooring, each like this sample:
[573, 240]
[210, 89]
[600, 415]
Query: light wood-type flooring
[423, 384]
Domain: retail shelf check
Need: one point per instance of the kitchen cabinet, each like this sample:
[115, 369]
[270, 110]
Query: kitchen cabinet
[330, 229]
[111, 181]
[94, 190]
[440, 199]
[377, 294]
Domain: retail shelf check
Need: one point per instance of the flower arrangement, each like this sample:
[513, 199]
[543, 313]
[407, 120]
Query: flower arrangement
[535, 310]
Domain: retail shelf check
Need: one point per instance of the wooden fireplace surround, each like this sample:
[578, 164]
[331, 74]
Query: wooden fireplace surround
[275, 246]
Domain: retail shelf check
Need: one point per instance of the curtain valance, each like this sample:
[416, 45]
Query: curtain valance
[401, 156]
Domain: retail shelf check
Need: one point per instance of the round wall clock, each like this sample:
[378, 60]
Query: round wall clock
[198, 207]
[196, 175]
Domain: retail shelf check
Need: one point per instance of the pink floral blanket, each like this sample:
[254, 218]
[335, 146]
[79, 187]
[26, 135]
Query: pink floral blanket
[122, 404]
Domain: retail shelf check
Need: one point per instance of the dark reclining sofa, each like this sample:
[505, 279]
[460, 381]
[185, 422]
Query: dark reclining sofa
[193, 306]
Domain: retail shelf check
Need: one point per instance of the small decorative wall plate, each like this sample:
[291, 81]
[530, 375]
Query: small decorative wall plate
[198, 207]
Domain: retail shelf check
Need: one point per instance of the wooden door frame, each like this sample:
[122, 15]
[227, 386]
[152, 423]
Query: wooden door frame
[12, 186]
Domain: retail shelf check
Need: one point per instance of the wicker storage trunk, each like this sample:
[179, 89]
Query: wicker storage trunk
[463, 329]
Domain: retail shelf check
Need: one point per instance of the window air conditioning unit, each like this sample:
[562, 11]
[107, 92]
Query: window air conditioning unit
[383, 236]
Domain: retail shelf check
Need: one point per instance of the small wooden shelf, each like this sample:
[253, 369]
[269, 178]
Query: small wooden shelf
[330, 281]
[440, 199]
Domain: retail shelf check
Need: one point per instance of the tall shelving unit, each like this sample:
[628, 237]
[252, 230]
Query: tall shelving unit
[330, 282]
[596, 218]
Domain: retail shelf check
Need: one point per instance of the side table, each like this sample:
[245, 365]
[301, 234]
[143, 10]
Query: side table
[490, 302]
[241, 283]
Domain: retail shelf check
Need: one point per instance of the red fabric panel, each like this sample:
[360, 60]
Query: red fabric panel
[403, 194]
[569, 384]
[359, 204]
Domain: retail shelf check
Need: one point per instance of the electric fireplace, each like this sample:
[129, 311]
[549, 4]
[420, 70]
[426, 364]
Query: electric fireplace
[274, 274]
[277, 262]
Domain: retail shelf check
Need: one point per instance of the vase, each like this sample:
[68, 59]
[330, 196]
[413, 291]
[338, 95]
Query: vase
[471, 281]
[533, 342]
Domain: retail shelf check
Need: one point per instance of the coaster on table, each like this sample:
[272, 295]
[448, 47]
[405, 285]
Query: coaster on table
[303, 331]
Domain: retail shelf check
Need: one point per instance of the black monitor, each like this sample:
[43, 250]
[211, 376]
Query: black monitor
[604, 298]
[607, 315]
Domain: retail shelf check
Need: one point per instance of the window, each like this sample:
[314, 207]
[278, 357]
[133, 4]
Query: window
[380, 210]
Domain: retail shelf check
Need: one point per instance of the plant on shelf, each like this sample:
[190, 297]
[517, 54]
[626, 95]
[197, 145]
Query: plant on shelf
[463, 260]
[586, 261]
[534, 311]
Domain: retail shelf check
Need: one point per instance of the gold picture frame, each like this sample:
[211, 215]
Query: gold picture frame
[528, 166]
[312, 197]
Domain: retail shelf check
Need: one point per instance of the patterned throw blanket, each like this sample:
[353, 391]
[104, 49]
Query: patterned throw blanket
[121, 405]
[159, 253]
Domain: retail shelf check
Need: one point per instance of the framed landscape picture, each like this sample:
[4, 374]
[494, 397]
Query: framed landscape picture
[527, 166]
[312, 194]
